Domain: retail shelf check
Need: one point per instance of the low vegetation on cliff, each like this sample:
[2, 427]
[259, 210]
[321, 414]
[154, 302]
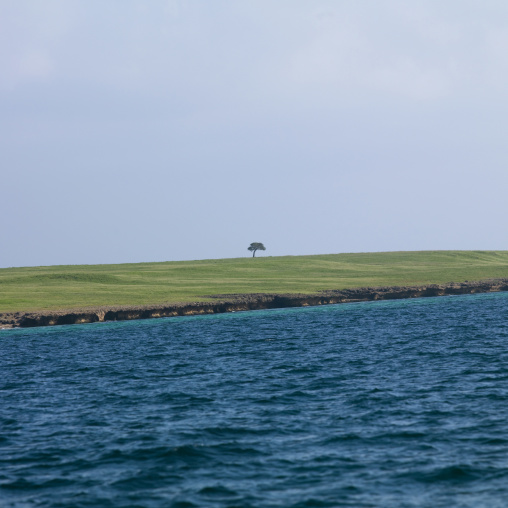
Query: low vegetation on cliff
[82, 286]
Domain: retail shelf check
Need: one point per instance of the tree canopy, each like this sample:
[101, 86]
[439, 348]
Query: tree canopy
[253, 247]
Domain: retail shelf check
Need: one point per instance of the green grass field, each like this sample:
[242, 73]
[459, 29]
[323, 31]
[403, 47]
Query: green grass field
[81, 286]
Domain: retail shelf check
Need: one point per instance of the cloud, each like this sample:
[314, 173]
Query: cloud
[34, 65]
[266, 50]
[30, 34]
[384, 50]
[416, 51]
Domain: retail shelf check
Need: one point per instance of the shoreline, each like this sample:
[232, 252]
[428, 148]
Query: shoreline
[243, 302]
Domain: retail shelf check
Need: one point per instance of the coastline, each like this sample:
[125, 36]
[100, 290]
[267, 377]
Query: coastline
[244, 302]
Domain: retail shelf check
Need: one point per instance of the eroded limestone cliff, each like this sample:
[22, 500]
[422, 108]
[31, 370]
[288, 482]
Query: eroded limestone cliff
[241, 302]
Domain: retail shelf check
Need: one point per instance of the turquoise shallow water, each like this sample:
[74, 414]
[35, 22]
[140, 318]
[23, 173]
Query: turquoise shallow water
[393, 404]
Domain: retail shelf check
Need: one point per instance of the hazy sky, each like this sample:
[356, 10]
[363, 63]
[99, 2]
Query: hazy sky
[166, 130]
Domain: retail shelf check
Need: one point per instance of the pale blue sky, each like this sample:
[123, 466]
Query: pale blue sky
[149, 131]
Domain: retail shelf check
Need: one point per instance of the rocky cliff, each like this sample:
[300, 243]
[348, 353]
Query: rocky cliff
[241, 302]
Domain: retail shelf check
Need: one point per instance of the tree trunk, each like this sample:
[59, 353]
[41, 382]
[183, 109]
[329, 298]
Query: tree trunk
[253, 253]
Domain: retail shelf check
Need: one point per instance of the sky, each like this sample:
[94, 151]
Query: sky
[134, 131]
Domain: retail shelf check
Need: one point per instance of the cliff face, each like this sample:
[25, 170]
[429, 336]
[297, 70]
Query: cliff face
[233, 303]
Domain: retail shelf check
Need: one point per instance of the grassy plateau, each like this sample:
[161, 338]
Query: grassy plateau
[83, 286]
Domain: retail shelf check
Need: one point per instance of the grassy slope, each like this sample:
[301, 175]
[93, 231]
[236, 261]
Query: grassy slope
[79, 286]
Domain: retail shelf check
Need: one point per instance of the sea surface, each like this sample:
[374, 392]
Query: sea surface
[381, 404]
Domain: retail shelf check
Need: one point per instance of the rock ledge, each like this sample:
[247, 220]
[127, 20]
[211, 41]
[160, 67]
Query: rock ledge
[242, 302]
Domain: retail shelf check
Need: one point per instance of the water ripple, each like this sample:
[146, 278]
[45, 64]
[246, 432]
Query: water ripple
[393, 404]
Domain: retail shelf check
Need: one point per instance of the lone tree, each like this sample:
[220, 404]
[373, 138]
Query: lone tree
[254, 247]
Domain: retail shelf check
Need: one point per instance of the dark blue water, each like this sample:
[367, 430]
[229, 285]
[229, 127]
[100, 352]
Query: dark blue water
[393, 404]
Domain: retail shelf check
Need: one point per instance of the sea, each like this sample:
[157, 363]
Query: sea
[379, 404]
